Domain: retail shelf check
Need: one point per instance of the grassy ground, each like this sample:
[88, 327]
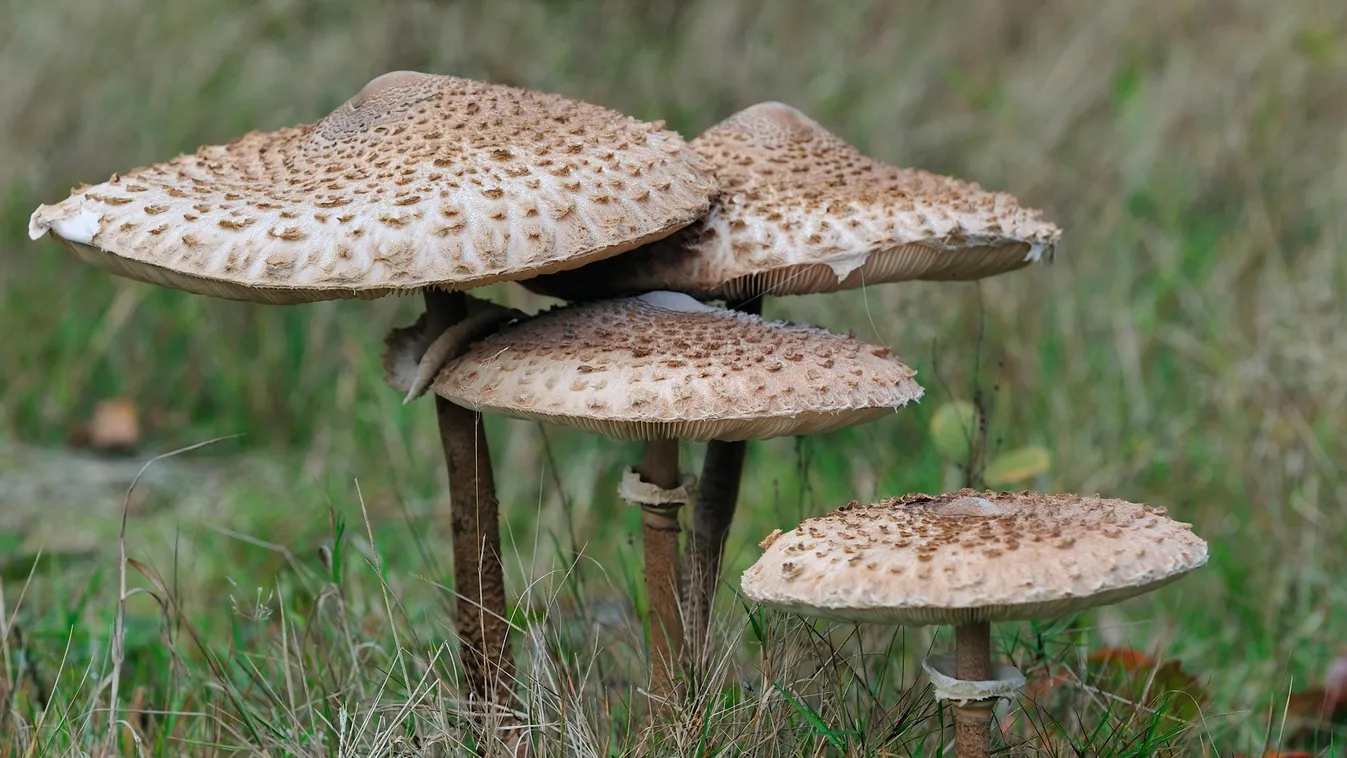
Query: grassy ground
[284, 591]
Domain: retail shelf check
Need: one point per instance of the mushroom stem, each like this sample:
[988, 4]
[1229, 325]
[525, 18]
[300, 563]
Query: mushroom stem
[479, 578]
[712, 515]
[973, 663]
[659, 534]
[659, 463]
[972, 728]
[973, 651]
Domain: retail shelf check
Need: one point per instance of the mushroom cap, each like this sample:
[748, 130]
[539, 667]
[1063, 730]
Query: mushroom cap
[970, 556]
[418, 180]
[664, 366]
[801, 211]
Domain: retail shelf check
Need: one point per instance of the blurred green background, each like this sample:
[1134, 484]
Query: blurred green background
[1186, 348]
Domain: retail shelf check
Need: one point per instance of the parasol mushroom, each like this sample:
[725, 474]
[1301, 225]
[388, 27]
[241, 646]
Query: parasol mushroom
[969, 559]
[801, 211]
[663, 367]
[420, 183]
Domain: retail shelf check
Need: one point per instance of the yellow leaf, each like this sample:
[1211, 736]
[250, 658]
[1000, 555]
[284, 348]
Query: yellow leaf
[1018, 465]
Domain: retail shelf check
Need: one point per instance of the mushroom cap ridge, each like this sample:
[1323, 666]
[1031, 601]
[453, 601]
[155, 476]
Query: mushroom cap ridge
[802, 211]
[418, 180]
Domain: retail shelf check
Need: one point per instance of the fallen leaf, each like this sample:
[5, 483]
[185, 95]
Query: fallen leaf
[1017, 466]
[115, 426]
[1311, 705]
[1125, 657]
[1318, 713]
[1137, 677]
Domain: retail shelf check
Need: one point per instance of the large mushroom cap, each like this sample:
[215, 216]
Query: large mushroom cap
[417, 180]
[664, 366]
[972, 556]
[801, 211]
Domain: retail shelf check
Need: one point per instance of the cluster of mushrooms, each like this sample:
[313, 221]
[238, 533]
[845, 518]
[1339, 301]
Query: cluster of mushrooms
[440, 184]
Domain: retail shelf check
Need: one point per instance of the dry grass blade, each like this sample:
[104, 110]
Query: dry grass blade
[118, 651]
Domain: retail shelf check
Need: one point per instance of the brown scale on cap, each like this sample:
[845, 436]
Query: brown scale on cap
[801, 211]
[665, 366]
[973, 556]
[417, 180]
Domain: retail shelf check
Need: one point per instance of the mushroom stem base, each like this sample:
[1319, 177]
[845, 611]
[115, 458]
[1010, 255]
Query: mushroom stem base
[972, 729]
[659, 535]
[479, 579]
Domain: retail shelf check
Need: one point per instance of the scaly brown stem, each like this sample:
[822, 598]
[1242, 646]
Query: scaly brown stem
[479, 578]
[712, 515]
[973, 652]
[972, 729]
[659, 533]
[973, 663]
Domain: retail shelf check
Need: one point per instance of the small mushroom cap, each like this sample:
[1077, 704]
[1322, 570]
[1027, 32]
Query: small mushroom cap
[801, 211]
[972, 556]
[418, 180]
[664, 366]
